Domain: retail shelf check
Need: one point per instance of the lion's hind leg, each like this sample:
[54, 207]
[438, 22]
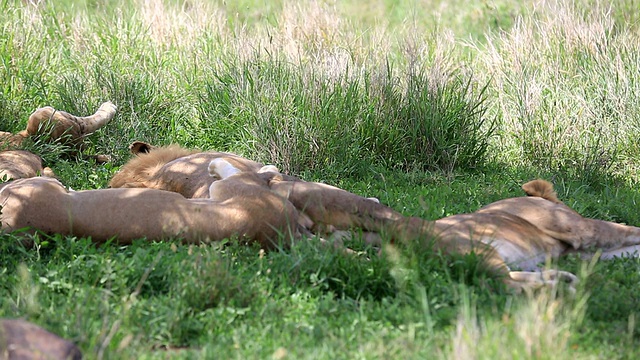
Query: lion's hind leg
[626, 251]
[534, 280]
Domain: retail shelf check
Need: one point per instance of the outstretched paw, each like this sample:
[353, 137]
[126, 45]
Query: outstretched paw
[531, 281]
[108, 108]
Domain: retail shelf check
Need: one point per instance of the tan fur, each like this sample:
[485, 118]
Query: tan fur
[59, 126]
[20, 339]
[523, 232]
[567, 226]
[175, 169]
[518, 232]
[331, 208]
[71, 129]
[11, 141]
[541, 188]
[17, 164]
[253, 213]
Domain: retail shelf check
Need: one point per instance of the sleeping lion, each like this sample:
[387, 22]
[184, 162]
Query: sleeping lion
[16, 163]
[241, 206]
[515, 233]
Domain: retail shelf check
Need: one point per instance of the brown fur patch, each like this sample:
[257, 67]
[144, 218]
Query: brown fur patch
[20, 339]
[68, 128]
[176, 169]
[541, 188]
[253, 213]
[10, 141]
[18, 164]
[143, 167]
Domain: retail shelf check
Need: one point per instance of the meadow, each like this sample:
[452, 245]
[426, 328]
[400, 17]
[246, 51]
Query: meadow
[434, 107]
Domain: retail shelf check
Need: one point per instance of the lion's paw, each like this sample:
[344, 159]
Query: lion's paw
[222, 169]
[534, 280]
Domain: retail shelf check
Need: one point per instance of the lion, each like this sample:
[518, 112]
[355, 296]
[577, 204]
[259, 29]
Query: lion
[60, 126]
[20, 339]
[67, 128]
[11, 141]
[576, 233]
[173, 168]
[242, 206]
[504, 240]
[16, 163]
[516, 233]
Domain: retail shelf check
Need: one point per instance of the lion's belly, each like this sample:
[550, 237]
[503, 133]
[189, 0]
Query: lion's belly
[516, 256]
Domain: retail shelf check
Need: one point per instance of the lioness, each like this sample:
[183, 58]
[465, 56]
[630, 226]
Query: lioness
[512, 233]
[18, 164]
[570, 230]
[61, 126]
[502, 239]
[184, 171]
[518, 232]
[248, 210]
[20, 339]
[180, 170]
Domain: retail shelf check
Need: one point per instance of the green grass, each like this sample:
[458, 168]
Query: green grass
[436, 109]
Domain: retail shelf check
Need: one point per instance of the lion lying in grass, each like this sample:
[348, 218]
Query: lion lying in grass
[242, 205]
[18, 164]
[518, 232]
[173, 168]
[57, 126]
[176, 169]
[20, 339]
[60, 126]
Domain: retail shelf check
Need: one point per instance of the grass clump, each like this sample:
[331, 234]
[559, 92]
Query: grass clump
[404, 123]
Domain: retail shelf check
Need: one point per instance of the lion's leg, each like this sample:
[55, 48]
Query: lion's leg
[633, 250]
[330, 206]
[369, 238]
[612, 238]
[222, 169]
[529, 281]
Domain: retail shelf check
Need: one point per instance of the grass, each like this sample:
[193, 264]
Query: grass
[435, 109]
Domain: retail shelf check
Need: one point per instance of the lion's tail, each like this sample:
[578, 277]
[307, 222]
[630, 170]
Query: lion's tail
[541, 188]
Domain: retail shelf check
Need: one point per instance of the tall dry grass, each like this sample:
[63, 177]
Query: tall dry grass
[566, 82]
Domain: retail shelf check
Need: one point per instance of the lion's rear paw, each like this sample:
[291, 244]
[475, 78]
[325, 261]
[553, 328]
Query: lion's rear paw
[531, 281]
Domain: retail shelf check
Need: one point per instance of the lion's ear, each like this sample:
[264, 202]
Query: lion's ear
[140, 147]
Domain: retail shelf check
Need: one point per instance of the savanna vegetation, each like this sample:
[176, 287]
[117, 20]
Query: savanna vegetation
[435, 107]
